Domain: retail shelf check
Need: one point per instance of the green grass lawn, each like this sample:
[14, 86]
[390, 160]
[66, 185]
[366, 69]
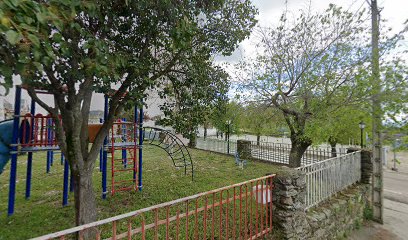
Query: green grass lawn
[43, 213]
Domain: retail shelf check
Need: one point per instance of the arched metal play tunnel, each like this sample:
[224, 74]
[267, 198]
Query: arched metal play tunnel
[172, 144]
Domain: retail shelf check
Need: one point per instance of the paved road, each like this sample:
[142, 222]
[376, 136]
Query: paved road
[396, 187]
[395, 206]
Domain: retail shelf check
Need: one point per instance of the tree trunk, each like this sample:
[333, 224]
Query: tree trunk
[205, 132]
[193, 140]
[299, 147]
[258, 139]
[85, 204]
[84, 195]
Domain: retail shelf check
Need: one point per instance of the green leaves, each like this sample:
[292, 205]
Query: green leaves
[13, 37]
[34, 39]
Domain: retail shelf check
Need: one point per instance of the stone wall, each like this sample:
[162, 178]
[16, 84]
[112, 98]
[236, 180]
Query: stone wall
[244, 149]
[339, 216]
[289, 216]
[366, 164]
[330, 220]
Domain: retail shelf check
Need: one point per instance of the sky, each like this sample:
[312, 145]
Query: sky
[394, 11]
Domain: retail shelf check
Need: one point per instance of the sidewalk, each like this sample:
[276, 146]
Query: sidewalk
[395, 224]
[395, 207]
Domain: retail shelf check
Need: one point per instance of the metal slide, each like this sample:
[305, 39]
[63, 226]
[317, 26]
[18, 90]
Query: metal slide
[6, 133]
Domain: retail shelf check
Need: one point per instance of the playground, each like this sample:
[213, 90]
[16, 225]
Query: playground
[39, 181]
[43, 212]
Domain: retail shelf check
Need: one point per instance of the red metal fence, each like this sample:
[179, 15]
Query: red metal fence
[239, 211]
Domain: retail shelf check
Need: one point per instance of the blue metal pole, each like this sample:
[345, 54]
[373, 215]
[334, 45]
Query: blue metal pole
[13, 167]
[100, 152]
[124, 155]
[30, 154]
[65, 186]
[135, 138]
[105, 151]
[140, 147]
[48, 165]
[48, 124]
[51, 137]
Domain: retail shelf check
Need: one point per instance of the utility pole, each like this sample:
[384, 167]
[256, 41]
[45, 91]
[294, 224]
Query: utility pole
[377, 183]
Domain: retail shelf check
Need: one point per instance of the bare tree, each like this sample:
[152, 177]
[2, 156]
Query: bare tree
[308, 65]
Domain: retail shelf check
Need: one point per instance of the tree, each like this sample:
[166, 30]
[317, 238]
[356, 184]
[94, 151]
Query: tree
[226, 117]
[260, 119]
[394, 89]
[339, 126]
[306, 66]
[73, 48]
[191, 98]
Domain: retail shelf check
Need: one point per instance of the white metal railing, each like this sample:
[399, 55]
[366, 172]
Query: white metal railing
[328, 177]
[266, 151]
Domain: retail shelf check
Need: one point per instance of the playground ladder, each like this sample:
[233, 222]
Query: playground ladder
[124, 161]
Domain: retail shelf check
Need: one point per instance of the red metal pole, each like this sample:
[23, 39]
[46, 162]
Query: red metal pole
[220, 230]
[270, 203]
[36, 130]
[240, 212]
[129, 232]
[205, 217]
[156, 219]
[250, 217]
[246, 212]
[212, 216]
[143, 230]
[177, 224]
[42, 131]
[98, 235]
[186, 219]
[32, 129]
[262, 206]
[256, 208]
[234, 217]
[196, 219]
[114, 230]
[226, 218]
[23, 138]
[167, 222]
[266, 205]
